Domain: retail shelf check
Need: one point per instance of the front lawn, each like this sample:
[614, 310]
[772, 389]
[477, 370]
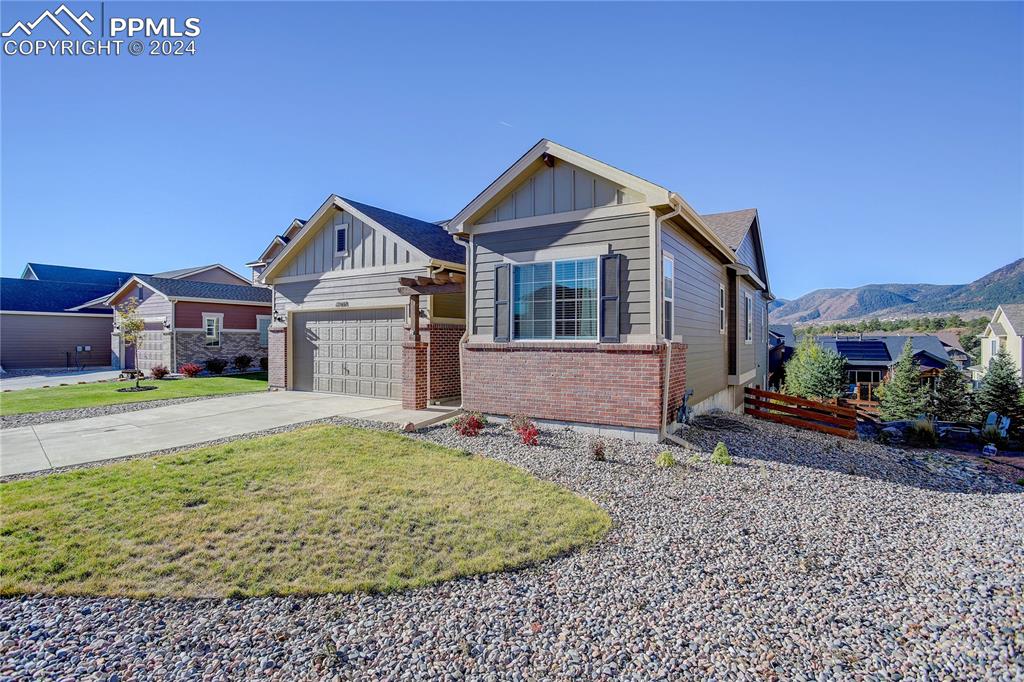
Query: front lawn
[95, 395]
[320, 509]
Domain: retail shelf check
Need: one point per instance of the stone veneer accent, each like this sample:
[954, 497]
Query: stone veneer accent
[415, 375]
[191, 347]
[277, 357]
[443, 359]
[614, 384]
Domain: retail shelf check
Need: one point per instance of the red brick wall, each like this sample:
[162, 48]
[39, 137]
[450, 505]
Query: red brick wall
[189, 315]
[414, 375]
[443, 359]
[610, 384]
[676, 381]
[277, 357]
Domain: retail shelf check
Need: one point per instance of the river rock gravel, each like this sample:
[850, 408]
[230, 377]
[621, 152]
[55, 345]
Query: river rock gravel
[811, 558]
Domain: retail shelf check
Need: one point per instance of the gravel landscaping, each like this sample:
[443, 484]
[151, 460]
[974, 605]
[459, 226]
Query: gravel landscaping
[809, 558]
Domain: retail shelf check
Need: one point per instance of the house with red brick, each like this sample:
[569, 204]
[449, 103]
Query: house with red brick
[568, 291]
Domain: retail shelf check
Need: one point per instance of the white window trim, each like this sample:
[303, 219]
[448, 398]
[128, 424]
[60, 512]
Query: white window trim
[748, 319]
[723, 319]
[220, 328]
[668, 296]
[337, 229]
[550, 339]
[270, 321]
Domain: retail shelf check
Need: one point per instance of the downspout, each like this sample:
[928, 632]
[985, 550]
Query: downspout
[661, 306]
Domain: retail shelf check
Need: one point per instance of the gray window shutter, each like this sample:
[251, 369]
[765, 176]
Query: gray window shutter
[611, 267]
[501, 302]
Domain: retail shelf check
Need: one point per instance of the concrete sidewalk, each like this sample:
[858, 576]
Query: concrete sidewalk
[47, 446]
[17, 381]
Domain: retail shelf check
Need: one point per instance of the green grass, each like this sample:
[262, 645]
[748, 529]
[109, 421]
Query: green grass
[94, 395]
[320, 509]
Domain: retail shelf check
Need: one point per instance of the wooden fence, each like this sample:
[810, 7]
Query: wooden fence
[801, 413]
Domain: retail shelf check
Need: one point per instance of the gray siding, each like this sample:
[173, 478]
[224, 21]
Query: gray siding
[747, 254]
[559, 189]
[327, 292]
[627, 235]
[367, 248]
[747, 351]
[45, 340]
[698, 275]
[215, 275]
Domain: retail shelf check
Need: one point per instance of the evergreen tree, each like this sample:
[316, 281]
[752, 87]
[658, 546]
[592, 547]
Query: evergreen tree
[901, 396]
[1000, 390]
[951, 402]
[814, 372]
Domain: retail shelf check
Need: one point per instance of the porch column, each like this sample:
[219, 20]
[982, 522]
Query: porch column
[415, 379]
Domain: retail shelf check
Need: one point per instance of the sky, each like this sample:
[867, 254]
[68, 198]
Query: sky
[880, 142]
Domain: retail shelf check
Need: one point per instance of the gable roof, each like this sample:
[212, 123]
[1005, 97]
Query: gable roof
[64, 273]
[185, 272]
[731, 226]
[883, 350]
[1014, 314]
[186, 288]
[30, 295]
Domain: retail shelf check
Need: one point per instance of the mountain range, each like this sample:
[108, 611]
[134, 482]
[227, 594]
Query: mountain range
[893, 301]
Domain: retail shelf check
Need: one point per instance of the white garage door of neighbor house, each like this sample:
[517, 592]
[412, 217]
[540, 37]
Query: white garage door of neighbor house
[358, 352]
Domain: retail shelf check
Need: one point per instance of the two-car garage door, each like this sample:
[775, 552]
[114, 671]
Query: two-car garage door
[358, 352]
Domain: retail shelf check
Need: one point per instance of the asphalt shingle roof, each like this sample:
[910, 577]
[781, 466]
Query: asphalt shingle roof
[1015, 315]
[430, 238]
[786, 332]
[186, 288]
[732, 226]
[63, 273]
[42, 296]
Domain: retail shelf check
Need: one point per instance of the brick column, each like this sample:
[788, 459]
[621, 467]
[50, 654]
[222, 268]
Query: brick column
[277, 357]
[415, 380]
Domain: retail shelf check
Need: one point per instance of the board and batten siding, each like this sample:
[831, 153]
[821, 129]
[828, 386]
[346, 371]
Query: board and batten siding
[698, 276]
[627, 235]
[356, 290]
[366, 248]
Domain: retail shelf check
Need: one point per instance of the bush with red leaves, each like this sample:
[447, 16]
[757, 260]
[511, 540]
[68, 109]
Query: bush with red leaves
[190, 369]
[528, 432]
[159, 372]
[470, 423]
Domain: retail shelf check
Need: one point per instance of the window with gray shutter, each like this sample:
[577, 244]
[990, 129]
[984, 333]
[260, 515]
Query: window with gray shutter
[501, 303]
[611, 266]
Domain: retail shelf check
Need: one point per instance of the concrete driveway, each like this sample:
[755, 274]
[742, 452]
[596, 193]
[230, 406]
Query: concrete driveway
[47, 446]
[42, 378]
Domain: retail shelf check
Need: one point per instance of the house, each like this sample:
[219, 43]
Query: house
[781, 346]
[869, 359]
[951, 342]
[602, 300]
[340, 320]
[1005, 331]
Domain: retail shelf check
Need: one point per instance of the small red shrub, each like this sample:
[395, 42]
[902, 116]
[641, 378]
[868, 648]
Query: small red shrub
[190, 369]
[528, 432]
[469, 424]
[159, 372]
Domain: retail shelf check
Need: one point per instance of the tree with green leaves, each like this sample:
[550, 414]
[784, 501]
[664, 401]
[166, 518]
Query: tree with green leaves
[814, 372]
[1000, 390]
[951, 401]
[901, 395]
[132, 328]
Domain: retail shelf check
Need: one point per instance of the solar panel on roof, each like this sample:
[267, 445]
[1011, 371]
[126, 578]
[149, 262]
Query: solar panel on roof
[864, 350]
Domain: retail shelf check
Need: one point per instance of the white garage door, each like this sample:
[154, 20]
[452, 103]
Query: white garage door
[358, 352]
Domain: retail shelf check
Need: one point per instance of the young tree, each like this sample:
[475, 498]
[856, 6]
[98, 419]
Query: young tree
[132, 328]
[901, 396]
[814, 372]
[951, 402]
[1000, 390]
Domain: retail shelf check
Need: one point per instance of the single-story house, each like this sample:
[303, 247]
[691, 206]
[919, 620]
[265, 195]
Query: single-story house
[869, 359]
[586, 295]
[191, 320]
[1005, 331]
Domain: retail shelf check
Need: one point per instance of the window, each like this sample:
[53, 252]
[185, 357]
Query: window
[263, 325]
[555, 300]
[748, 319]
[212, 323]
[721, 309]
[668, 291]
[341, 239]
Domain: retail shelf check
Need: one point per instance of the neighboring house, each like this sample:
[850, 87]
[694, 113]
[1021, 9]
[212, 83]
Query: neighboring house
[600, 299]
[781, 346]
[869, 359]
[192, 320]
[1005, 331]
[951, 341]
[339, 319]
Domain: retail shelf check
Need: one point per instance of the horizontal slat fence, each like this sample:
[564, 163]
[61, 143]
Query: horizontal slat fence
[801, 413]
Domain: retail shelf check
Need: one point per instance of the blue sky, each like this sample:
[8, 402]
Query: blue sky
[880, 142]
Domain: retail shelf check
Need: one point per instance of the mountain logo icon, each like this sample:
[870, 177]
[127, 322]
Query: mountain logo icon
[78, 20]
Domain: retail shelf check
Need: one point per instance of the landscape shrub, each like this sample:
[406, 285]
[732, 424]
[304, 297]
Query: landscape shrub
[901, 395]
[665, 460]
[529, 433]
[693, 460]
[922, 434]
[814, 372]
[517, 421]
[597, 450]
[469, 423]
[190, 369]
[721, 455]
[216, 365]
[242, 362]
[264, 364]
[990, 434]
[159, 372]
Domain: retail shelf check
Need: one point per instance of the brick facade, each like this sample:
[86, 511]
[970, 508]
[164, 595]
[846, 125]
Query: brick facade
[278, 357]
[443, 359]
[676, 381]
[608, 384]
[415, 375]
[191, 347]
